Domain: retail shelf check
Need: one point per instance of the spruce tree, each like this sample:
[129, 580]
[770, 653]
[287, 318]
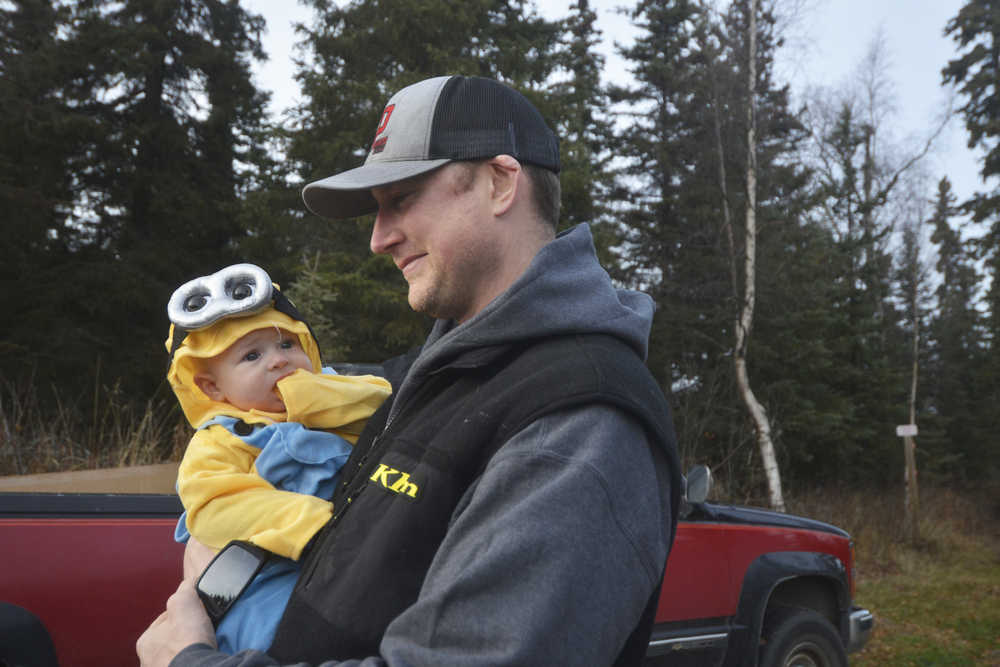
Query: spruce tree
[664, 248]
[41, 137]
[160, 98]
[35, 187]
[584, 128]
[976, 72]
[956, 439]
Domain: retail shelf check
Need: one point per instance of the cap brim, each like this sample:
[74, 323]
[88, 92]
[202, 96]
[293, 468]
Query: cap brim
[348, 194]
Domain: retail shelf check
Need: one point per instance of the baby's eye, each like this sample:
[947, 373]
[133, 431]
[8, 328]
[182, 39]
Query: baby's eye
[253, 355]
[290, 344]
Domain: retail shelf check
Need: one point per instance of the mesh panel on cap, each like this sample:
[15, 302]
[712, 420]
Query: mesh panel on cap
[479, 118]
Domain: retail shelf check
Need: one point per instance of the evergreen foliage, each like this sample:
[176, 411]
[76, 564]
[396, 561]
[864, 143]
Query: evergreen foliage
[976, 72]
[149, 106]
[584, 129]
[957, 396]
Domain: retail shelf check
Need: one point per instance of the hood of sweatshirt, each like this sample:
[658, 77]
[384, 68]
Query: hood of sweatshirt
[564, 291]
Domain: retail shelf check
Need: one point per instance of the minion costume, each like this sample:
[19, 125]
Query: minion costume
[253, 475]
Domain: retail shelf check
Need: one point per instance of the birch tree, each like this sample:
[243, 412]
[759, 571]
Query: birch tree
[745, 290]
[747, 301]
[912, 280]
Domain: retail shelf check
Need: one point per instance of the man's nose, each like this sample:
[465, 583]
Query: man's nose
[385, 234]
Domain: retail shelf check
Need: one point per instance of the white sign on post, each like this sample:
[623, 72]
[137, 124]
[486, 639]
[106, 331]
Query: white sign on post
[906, 430]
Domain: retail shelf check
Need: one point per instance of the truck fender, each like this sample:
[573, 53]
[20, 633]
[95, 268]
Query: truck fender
[24, 639]
[806, 579]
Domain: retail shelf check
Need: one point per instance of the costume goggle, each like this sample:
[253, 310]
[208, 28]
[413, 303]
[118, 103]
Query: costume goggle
[239, 290]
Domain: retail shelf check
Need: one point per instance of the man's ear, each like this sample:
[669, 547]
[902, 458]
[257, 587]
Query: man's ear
[505, 172]
[206, 382]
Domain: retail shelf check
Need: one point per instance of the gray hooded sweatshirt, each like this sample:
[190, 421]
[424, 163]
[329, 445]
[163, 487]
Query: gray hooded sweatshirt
[553, 552]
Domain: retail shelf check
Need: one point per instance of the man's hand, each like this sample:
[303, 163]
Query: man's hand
[197, 556]
[183, 623]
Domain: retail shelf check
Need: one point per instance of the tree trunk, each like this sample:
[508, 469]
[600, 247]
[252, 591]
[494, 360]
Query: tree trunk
[911, 501]
[756, 410]
[911, 504]
[744, 320]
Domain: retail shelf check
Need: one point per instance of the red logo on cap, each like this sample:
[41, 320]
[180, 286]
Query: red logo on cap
[385, 119]
[379, 144]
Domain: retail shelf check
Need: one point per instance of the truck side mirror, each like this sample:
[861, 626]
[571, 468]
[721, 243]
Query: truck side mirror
[699, 484]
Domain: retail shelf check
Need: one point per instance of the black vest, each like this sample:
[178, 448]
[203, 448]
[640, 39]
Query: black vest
[403, 481]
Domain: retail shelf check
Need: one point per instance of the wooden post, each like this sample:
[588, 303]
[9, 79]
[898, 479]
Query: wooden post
[911, 499]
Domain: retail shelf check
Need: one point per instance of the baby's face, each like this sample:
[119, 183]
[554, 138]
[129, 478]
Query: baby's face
[247, 373]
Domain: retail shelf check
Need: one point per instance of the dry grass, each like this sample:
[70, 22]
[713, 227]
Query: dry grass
[106, 431]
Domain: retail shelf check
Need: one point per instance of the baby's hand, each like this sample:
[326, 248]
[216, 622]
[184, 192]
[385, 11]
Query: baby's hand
[197, 556]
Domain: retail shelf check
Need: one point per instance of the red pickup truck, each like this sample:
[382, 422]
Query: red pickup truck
[85, 570]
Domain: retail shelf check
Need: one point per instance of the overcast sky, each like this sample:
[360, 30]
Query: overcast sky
[825, 47]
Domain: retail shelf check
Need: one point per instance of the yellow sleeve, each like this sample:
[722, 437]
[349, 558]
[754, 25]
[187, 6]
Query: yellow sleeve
[227, 500]
[340, 403]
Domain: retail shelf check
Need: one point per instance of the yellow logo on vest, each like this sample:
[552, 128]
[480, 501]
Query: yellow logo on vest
[394, 480]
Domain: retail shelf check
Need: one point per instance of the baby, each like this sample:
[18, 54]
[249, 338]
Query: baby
[273, 429]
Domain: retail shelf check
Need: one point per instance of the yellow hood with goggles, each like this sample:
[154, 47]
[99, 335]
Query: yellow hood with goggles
[212, 341]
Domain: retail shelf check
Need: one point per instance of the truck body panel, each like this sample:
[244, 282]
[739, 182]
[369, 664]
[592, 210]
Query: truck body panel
[97, 568]
[96, 584]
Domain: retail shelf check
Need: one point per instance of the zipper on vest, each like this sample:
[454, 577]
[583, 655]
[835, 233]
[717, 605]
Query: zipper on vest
[358, 481]
[394, 414]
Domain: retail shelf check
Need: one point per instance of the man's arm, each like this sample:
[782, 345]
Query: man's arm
[552, 555]
[550, 558]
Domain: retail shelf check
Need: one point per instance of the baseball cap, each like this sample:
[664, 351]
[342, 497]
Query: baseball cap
[431, 123]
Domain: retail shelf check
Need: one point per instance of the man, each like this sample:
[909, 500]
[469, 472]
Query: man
[515, 500]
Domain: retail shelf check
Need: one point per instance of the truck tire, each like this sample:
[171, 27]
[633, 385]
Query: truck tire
[797, 637]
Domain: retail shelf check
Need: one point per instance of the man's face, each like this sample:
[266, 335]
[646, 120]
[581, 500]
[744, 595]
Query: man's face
[437, 229]
[246, 374]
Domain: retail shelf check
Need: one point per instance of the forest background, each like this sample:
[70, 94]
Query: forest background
[135, 154]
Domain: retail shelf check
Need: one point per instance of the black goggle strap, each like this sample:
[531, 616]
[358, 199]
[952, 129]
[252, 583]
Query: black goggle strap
[283, 304]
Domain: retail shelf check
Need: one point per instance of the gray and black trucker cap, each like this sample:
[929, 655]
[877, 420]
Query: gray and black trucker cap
[433, 122]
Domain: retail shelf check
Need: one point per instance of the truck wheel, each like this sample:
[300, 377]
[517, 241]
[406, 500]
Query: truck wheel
[800, 638]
